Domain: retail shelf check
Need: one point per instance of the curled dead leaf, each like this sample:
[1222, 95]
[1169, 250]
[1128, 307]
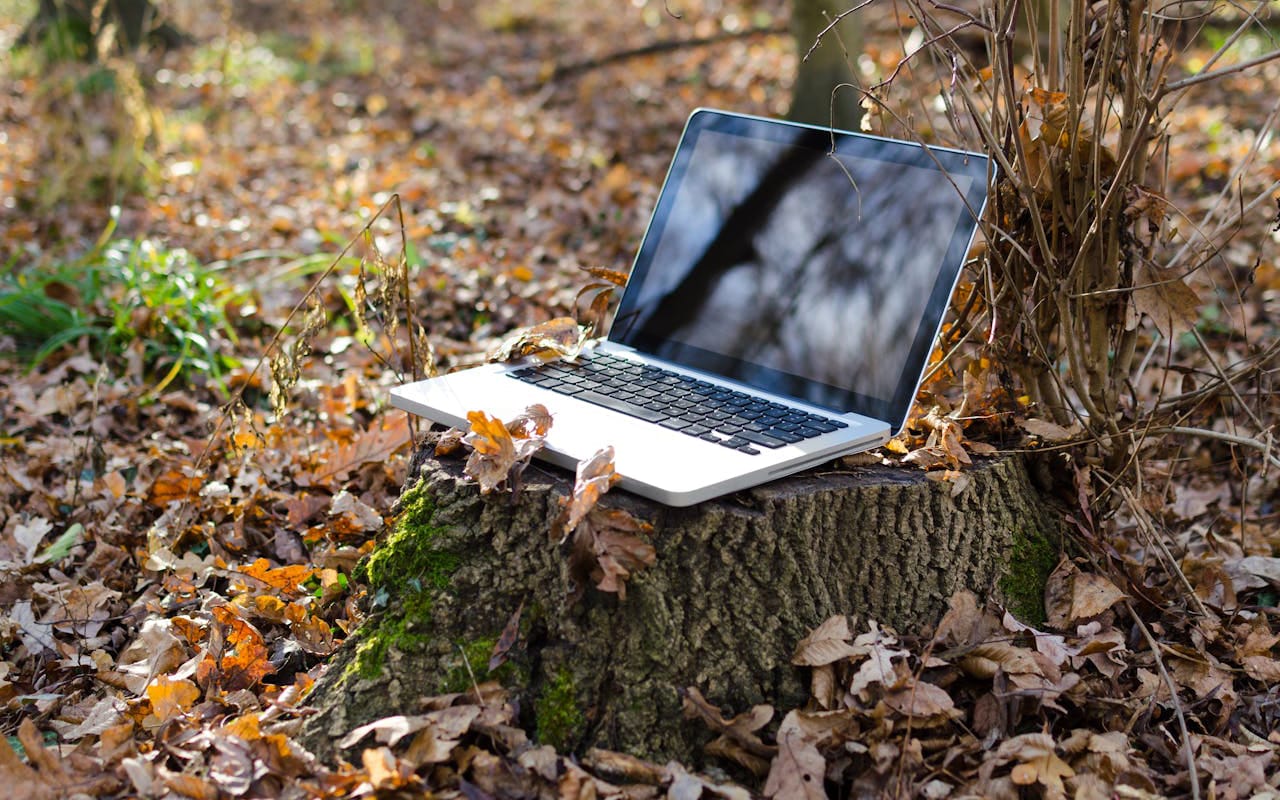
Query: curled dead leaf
[562, 337]
[497, 456]
[1166, 299]
[595, 476]
[826, 644]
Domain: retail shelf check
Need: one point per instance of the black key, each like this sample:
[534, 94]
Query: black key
[749, 450]
[808, 432]
[720, 395]
[696, 430]
[786, 426]
[630, 409]
[710, 437]
[838, 423]
[825, 427]
[683, 404]
[656, 405]
[774, 413]
[789, 438]
[730, 429]
[735, 442]
[761, 438]
[759, 427]
[570, 389]
[676, 424]
[748, 414]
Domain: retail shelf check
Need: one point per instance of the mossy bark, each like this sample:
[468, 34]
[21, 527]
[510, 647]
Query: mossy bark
[737, 584]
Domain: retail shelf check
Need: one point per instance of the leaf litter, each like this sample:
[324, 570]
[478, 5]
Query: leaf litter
[171, 596]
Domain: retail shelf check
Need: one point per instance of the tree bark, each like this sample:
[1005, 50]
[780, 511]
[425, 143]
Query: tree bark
[826, 87]
[738, 582]
[136, 21]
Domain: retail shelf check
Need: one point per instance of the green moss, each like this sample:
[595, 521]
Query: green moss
[1032, 559]
[404, 572]
[402, 628]
[411, 558]
[559, 720]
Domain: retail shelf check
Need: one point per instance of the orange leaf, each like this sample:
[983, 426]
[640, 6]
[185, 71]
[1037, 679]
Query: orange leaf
[170, 698]
[372, 446]
[595, 476]
[616, 277]
[174, 486]
[245, 658]
[286, 580]
[561, 336]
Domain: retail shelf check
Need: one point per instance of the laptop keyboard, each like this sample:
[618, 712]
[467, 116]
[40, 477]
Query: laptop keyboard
[696, 408]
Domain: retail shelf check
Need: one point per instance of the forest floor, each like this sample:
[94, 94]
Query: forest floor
[176, 574]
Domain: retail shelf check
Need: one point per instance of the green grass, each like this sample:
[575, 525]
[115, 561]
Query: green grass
[123, 295]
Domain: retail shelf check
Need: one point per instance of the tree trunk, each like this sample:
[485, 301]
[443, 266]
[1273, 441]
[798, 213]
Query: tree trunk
[826, 87]
[73, 21]
[738, 582]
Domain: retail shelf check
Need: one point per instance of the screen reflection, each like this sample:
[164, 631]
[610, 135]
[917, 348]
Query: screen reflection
[783, 259]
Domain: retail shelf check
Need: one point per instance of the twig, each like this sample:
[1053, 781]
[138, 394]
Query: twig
[563, 71]
[1217, 73]
[831, 25]
[1144, 523]
[1265, 448]
[1192, 775]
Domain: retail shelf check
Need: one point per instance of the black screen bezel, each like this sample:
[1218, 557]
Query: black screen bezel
[844, 399]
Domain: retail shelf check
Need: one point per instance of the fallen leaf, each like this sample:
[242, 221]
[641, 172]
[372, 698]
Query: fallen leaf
[799, 768]
[561, 336]
[826, 644]
[496, 456]
[1091, 595]
[595, 476]
[920, 699]
[510, 633]
[171, 697]
[1165, 298]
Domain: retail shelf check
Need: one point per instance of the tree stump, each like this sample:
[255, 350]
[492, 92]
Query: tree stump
[738, 582]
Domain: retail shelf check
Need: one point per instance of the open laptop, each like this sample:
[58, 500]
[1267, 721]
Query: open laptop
[780, 312]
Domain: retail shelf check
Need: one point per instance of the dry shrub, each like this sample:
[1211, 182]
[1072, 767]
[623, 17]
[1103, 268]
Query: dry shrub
[1088, 294]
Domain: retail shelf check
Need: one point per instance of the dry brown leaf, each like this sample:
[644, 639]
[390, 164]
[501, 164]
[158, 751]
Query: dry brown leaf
[983, 660]
[826, 644]
[595, 476]
[613, 276]
[1166, 299]
[449, 443]
[618, 551]
[921, 699]
[496, 456]
[562, 336]
[799, 769]
[1047, 431]
[1091, 595]
[535, 420]
[375, 445]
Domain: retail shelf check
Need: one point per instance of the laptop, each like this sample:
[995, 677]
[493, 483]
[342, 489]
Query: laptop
[780, 312]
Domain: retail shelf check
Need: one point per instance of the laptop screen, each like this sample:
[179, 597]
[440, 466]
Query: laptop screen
[802, 262]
